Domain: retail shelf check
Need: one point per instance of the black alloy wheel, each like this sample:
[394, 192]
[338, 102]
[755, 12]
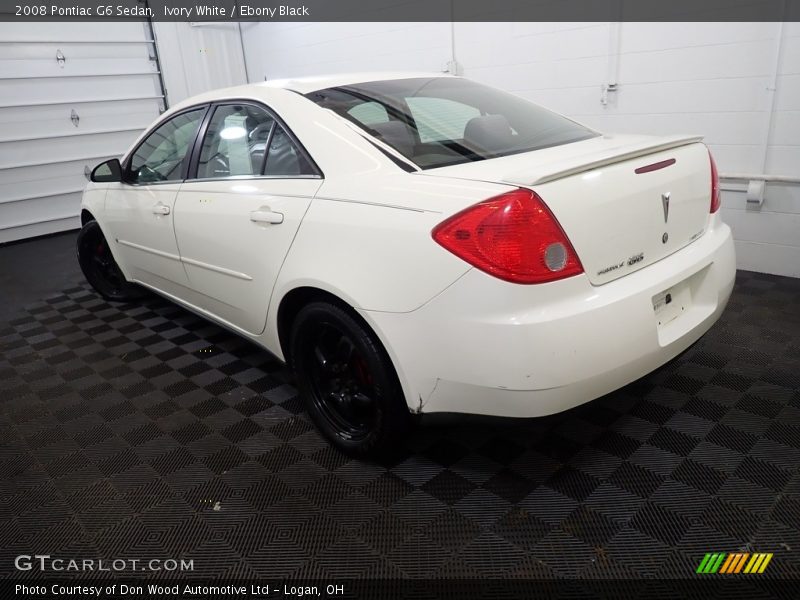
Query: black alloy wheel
[100, 268]
[347, 381]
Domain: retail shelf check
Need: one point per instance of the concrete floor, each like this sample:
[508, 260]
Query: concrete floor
[32, 269]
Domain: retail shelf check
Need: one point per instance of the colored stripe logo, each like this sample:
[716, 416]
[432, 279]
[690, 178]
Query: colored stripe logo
[734, 562]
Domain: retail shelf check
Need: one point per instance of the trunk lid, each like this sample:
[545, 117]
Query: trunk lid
[618, 216]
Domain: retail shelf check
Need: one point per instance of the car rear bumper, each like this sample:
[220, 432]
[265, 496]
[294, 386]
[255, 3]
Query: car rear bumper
[489, 347]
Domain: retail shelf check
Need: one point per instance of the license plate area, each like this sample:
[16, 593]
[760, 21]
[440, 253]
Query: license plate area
[672, 303]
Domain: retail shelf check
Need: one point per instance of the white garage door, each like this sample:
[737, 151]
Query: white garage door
[71, 96]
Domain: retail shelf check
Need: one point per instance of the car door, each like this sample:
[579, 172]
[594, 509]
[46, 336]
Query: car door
[237, 214]
[139, 211]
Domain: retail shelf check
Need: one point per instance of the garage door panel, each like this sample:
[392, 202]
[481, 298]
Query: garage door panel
[44, 151]
[52, 225]
[31, 115]
[15, 92]
[59, 118]
[30, 69]
[19, 191]
[74, 52]
[64, 168]
[16, 214]
[107, 31]
[63, 127]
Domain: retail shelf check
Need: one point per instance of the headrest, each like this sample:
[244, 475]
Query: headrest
[396, 134]
[491, 133]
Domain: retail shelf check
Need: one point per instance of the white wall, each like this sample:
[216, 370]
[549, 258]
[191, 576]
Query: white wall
[707, 78]
[197, 57]
[278, 50]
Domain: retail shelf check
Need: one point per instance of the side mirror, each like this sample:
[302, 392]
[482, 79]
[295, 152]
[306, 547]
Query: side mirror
[107, 172]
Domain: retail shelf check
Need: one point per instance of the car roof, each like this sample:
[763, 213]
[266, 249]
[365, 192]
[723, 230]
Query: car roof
[301, 85]
[304, 85]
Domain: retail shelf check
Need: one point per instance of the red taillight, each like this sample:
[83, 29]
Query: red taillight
[715, 200]
[513, 236]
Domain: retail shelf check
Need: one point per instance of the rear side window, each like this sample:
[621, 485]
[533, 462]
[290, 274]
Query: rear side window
[235, 142]
[284, 158]
[440, 121]
[246, 140]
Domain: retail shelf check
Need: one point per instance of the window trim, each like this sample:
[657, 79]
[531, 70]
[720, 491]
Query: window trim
[251, 177]
[194, 155]
[267, 145]
[393, 155]
[126, 165]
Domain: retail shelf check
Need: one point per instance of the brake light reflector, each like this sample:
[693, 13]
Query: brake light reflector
[513, 237]
[715, 194]
[655, 166]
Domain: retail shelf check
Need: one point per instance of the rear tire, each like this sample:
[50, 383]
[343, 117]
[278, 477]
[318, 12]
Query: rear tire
[347, 381]
[100, 268]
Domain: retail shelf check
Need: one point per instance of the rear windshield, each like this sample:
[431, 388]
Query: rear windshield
[441, 121]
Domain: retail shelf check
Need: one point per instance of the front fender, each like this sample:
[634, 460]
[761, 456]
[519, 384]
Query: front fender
[94, 199]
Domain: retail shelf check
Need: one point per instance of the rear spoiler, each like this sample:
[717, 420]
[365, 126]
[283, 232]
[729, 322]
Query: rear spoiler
[581, 163]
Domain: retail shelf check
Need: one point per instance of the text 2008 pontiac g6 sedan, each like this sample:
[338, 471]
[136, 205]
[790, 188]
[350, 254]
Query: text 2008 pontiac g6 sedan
[417, 243]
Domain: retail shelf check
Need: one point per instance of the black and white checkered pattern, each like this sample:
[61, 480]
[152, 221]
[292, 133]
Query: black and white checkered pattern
[122, 426]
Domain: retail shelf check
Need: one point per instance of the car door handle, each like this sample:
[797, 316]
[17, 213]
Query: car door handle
[265, 215]
[160, 209]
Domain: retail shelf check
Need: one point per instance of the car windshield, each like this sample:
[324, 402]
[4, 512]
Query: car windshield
[441, 121]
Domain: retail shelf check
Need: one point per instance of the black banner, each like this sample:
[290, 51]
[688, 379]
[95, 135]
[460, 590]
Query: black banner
[400, 10]
[715, 586]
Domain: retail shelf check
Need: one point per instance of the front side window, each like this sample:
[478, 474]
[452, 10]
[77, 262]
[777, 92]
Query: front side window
[161, 156]
[440, 121]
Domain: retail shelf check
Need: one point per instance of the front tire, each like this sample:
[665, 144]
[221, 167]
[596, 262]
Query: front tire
[100, 268]
[347, 381]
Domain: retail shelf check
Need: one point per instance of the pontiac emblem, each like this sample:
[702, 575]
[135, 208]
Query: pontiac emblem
[665, 205]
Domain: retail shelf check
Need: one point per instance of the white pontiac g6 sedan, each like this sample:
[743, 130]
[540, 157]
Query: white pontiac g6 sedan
[417, 243]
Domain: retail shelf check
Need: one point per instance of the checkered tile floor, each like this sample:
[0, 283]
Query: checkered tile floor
[141, 430]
